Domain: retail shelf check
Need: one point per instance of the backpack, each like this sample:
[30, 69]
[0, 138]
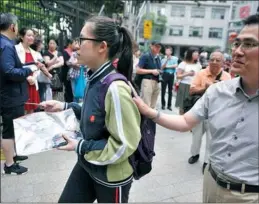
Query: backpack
[141, 159]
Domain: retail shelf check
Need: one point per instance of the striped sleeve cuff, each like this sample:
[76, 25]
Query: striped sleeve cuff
[79, 147]
[65, 106]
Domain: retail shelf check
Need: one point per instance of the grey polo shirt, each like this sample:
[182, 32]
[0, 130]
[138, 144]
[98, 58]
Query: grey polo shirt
[233, 120]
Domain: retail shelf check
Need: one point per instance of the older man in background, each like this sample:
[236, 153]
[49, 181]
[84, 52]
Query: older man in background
[202, 80]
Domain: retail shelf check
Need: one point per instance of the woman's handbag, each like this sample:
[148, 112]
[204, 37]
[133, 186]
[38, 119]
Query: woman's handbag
[56, 83]
[42, 78]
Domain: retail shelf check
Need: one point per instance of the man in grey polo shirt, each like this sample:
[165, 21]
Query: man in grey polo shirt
[231, 108]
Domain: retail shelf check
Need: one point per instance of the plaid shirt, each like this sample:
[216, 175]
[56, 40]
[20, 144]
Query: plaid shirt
[74, 73]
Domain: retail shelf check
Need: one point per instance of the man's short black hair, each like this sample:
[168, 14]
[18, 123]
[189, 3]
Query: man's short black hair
[169, 47]
[253, 19]
[7, 19]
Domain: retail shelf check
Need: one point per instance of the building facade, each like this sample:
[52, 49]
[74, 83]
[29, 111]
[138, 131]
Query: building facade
[190, 25]
[241, 10]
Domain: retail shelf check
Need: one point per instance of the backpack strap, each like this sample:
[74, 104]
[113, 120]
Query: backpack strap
[105, 86]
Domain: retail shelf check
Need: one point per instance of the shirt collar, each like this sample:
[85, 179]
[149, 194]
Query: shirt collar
[99, 71]
[152, 55]
[239, 87]
[209, 73]
[5, 37]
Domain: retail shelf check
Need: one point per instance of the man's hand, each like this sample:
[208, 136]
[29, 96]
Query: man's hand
[31, 80]
[155, 72]
[52, 106]
[71, 144]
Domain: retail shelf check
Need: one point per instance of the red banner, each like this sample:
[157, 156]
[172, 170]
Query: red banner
[244, 11]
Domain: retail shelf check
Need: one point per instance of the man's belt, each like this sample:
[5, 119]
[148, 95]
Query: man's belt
[241, 187]
[171, 73]
[151, 78]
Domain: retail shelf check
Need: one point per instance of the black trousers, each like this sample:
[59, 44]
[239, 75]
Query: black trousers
[68, 94]
[81, 188]
[168, 80]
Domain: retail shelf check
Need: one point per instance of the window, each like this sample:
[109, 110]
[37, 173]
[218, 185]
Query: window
[176, 31]
[195, 31]
[221, 1]
[198, 12]
[160, 11]
[159, 31]
[218, 13]
[178, 11]
[233, 14]
[215, 33]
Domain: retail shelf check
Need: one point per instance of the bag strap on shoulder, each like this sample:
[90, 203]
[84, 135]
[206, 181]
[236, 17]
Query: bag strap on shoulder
[219, 76]
[106, 83]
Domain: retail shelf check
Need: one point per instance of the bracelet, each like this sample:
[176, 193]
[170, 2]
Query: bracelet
[157, 116]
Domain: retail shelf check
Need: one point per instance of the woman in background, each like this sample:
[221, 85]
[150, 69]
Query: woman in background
[43, 76]
[54, 61]
[185, 73]
[29, 56]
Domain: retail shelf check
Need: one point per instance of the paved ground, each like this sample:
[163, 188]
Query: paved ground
[171, 180]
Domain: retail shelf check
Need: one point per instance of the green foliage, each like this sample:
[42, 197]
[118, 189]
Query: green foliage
[159, 25]
[29, 12]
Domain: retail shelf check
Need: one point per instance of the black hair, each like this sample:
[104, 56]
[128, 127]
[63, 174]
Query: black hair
[189, 52]
[119, 41]
[253, 19]
[36, 43]
[6, 20]
[70, 41]
[169, 47]
[54, 39]
[76, 39]
[22, 33]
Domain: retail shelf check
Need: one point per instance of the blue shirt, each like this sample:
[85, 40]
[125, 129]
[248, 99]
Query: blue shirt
[13, 84]
[170, 62]
[148, 61]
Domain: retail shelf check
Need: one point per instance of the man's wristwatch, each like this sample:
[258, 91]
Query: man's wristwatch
[157, 116]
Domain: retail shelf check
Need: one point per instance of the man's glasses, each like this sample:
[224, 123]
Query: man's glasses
[92, 39]
[245, 45]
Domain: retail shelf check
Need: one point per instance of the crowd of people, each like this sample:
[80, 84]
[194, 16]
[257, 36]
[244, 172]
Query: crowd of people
[210, 100]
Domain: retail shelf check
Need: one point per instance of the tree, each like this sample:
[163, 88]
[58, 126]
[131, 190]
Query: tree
[30, 13]
[159, 25]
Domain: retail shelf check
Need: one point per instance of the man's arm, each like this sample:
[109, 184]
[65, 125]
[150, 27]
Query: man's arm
[142, 63]
[181, 123]
[174, 65]
[7, 66]
[164, 62]
[142, 71]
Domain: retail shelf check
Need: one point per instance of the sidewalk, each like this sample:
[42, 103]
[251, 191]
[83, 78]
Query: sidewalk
[171, 180]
